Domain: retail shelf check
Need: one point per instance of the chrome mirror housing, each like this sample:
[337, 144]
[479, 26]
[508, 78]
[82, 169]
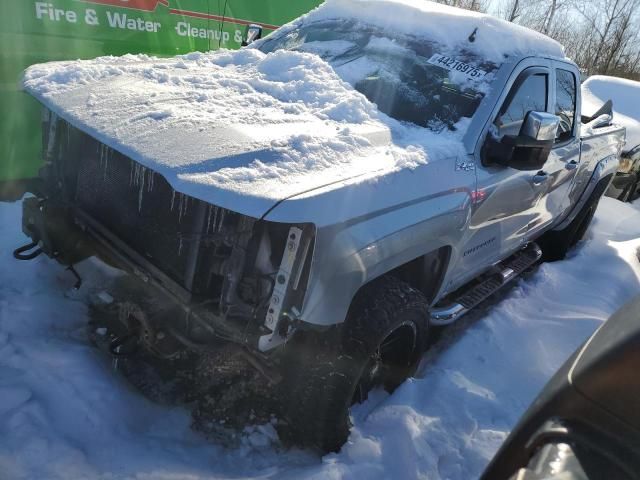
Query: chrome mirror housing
[527, 151]
[540, 126]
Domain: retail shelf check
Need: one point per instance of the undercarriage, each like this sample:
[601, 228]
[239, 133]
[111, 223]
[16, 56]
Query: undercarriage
[226, 385]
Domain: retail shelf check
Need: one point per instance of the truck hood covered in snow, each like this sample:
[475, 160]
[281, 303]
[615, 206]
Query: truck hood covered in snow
[242, 130]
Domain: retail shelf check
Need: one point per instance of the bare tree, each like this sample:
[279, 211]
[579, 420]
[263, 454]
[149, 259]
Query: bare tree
[553, 8]
[536, 14]
[475, 5]
[612, 25]
[602, 36]
[514, 10]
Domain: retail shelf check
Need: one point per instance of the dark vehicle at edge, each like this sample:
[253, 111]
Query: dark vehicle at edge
[585, 424]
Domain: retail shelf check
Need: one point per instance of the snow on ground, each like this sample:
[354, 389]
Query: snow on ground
[64, 414]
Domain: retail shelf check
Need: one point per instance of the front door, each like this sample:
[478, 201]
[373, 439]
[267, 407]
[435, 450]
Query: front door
[560, 169]
[507, 201]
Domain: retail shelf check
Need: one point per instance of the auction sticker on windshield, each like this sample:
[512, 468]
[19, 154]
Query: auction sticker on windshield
[452, 64]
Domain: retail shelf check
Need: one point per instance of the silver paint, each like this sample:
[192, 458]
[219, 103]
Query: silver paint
[404, 215]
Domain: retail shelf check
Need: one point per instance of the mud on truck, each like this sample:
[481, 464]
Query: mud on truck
[291, 220]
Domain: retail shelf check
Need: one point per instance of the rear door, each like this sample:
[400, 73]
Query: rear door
[560, 169]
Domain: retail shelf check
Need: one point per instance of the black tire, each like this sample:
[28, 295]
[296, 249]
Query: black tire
[556, 244]
[628, 193]
[379, 344]
[633, 193]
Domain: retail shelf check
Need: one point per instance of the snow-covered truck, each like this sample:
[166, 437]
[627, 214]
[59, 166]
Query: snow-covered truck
[296, 216]
[620, 99]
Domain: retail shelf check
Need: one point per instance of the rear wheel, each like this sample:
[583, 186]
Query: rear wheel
[379, 345]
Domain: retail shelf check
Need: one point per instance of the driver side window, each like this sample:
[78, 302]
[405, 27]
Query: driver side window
[530, 95]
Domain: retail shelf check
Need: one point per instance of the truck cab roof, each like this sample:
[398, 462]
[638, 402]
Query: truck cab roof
[454, 28]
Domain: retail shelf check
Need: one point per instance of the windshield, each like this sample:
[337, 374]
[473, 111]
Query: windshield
[409, 79]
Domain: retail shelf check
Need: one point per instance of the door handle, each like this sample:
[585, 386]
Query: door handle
[540, 177]
[572, 165]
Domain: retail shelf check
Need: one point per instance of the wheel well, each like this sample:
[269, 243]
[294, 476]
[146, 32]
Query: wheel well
[426, 272]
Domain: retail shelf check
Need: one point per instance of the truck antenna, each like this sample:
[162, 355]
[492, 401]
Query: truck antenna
[472, 37]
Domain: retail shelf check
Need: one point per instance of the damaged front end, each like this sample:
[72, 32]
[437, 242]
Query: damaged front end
[202, 279]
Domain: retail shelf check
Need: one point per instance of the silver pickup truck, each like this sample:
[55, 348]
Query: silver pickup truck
[312, 292]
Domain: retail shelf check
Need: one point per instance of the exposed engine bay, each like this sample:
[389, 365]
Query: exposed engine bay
[206, 289]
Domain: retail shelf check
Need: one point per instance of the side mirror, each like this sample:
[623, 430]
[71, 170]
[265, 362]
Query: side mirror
[252, 33]
[529, 150]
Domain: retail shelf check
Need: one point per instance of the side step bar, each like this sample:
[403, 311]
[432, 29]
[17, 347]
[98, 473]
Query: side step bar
[467, 298]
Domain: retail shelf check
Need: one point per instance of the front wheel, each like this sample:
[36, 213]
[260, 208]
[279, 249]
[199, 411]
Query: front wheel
[379, 345]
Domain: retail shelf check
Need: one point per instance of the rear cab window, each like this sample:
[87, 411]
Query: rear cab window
[565, 106]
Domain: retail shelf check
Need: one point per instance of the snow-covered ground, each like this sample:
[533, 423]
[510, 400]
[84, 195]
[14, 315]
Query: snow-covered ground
[65, 414]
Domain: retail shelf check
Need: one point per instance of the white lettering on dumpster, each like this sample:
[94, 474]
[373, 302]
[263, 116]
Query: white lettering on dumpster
[46, 11]
[122, 20]
[185, 29]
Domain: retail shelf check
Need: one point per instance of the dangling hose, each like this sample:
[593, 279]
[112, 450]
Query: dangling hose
[19, 253]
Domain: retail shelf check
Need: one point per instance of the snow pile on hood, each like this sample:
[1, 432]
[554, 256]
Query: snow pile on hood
[451, 27]
[64, 414]
[625, 94]
[259, 128]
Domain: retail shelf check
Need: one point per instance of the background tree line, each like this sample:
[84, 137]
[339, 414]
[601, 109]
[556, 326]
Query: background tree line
[601, 36]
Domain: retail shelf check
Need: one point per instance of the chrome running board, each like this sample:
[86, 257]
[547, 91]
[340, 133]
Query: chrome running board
[468, 298]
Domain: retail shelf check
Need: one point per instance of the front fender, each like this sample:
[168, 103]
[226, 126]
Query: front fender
[350, 255]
